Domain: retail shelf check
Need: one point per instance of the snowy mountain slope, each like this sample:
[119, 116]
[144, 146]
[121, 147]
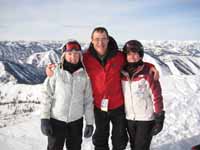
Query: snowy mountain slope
[27, 136]
[19, 51]
[180, 48]
[181, 130]
[175, 65]
[43, 58]
[170, 57]
[5, 76]
[24, 73]
[18, 101]
[162, 67]
[25, 61]
[181, 100]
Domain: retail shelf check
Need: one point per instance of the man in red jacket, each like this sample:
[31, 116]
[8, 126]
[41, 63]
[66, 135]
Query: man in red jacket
[103, 62]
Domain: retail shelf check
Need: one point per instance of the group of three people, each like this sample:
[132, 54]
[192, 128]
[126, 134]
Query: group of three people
[103, 85]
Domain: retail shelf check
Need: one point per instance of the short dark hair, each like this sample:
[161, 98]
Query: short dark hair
[101, 30]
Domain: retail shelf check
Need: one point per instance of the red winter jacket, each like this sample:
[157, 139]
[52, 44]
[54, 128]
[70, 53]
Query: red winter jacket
[106, 82]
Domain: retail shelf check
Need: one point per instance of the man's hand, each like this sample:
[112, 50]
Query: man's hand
[155, 73]
[49, 69]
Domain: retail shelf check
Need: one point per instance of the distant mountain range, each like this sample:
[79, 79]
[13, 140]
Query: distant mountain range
[25, 61]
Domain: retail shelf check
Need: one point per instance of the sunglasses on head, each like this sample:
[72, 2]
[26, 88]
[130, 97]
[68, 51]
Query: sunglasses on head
[71, 47]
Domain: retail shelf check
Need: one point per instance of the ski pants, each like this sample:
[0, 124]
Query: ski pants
[101, 135]
[140, 134]
[69, 133]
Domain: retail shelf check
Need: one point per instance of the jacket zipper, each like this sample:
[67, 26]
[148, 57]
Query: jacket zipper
[70, 104]
[129, 80]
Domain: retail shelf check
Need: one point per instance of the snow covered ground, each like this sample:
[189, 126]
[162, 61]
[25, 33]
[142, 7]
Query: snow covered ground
[180, 77]
[181, 129]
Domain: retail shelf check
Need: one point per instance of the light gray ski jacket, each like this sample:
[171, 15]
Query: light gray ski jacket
[68, 97]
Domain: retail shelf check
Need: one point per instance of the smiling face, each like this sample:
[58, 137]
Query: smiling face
[100, 42]
[72, 57]
[133, 57]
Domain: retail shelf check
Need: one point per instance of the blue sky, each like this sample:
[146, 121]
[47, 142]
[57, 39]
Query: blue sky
[125, 20]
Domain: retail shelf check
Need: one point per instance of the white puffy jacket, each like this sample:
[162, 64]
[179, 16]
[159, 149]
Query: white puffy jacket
[142, 95]
[67, 97]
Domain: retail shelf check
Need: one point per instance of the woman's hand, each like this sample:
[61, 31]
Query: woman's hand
[50, 69]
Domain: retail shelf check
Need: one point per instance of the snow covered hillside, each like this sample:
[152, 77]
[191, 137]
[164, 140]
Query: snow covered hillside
[19, 51]
[26, 61]
[20, 92]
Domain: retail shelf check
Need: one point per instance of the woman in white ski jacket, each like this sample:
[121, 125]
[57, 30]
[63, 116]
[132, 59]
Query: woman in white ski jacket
[67, 98]
[143, 98]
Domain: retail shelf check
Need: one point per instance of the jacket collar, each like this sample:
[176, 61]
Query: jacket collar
[111, 51]
[138, 70]
[78, 71]
[72, 67]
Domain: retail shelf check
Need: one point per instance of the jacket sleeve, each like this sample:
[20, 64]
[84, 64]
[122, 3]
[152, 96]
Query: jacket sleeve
[156, 94]
[149, 64]
[88, 103]
[48, 90]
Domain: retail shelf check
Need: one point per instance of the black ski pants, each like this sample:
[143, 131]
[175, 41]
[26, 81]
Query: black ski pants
[101, 135]
[140, 134]
[69, 133]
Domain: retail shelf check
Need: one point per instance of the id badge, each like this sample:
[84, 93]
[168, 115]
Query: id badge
[104, 105]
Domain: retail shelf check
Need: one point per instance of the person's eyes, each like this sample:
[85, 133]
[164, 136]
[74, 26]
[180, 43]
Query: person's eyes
[100, 39]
